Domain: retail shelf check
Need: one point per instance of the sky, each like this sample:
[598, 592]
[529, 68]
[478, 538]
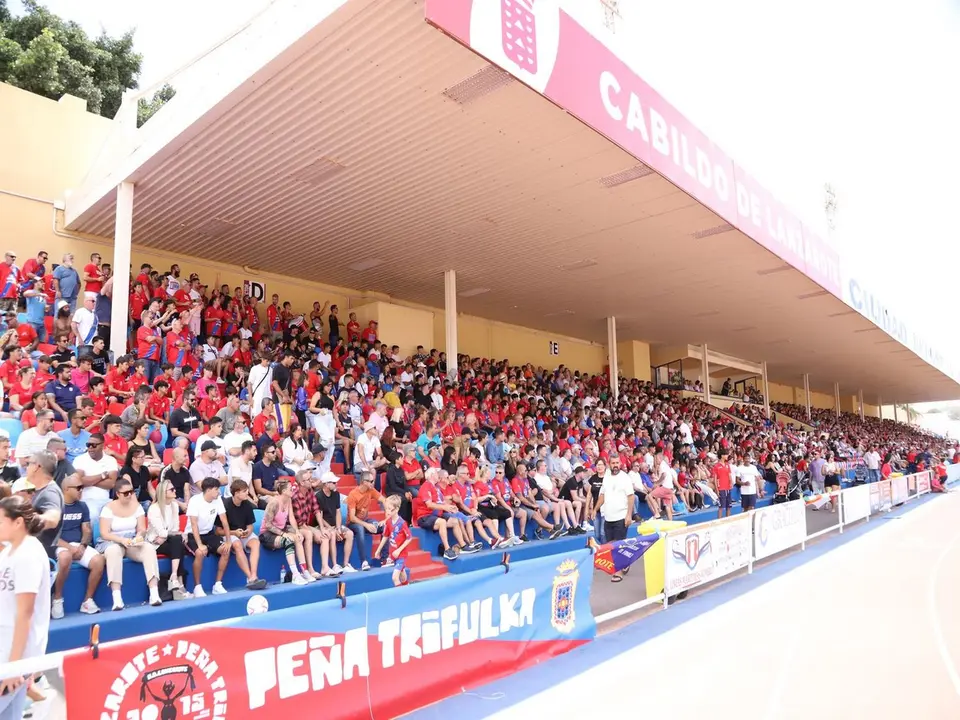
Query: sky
[855, 93]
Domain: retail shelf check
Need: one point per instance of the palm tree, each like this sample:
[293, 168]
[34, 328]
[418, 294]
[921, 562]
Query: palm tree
[912, 415]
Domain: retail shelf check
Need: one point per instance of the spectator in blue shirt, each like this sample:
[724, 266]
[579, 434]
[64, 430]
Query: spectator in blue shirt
[75, 436]
[62, 393]
[494, 448]
[68, 282]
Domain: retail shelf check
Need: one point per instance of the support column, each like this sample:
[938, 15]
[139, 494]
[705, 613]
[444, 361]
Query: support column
[880, 406]
[120, 299]
[450, 321]
[860, 401]
[705, 373]
[895, 414]
[836, 398]
[613, 360]
[766, 391]
[806, 393]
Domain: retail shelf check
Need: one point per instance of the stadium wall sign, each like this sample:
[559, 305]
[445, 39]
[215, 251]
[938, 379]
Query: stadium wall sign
[541, 45]
[381, 655]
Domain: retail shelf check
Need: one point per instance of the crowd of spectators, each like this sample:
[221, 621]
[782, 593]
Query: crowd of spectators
[216, 434]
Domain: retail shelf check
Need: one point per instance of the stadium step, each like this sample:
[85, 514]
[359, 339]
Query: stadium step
[429, 572]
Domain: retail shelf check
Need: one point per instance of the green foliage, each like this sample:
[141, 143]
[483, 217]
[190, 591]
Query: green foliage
[48, 55]
[145, 110]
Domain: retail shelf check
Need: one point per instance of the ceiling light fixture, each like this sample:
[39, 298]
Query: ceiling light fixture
[474, 292]
[368, 264]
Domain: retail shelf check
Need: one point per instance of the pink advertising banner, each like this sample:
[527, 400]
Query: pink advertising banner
[542, 46]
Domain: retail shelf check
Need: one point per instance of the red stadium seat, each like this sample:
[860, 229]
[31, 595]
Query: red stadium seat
[46, 348]
[168, 456]
[116, 408]
[48, 324]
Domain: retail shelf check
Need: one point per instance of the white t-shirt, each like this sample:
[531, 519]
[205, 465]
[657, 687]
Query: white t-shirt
[615, 490]
[544, 482]
[31, 442]
[685, 433]
[205, 512]
[365, 448]
[26, 570]
[215, 440]
[872, 459]
[85, 320]
[748, 476]
[239, 470]
[88, 466]
[259, 381]
[200, 470]
[669, 477]
[123, 526]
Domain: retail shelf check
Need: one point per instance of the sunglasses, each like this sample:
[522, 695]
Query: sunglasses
[124, 493]
[94, 444]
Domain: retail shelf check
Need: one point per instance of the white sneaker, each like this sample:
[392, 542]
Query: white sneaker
[337, 569]
[198, 591]
[348, 568]
[219, 589]
[89, 607]
[315, 575]
[514, 541]
[300, 580]
[56, 609]
[587, 526]
[364, 566]
[155, 600]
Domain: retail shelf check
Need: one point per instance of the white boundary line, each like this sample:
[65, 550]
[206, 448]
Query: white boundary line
[627, 609]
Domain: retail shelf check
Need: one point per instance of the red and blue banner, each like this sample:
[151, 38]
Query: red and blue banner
[382, 655]
[619, 555]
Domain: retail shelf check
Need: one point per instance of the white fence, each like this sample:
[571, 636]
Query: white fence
[705, 552]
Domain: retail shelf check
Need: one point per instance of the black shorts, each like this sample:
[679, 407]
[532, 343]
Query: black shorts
[724, 499]
[494, 512]
[616, 530]
[211, 540]
[748, 501]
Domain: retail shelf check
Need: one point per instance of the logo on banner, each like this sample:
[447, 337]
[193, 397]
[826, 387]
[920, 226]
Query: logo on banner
[176, 681]
[763, 531]
[254, 289]
[691, 550]
[563, 615]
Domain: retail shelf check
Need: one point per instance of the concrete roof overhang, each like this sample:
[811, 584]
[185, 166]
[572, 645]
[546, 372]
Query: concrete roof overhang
[365, 135]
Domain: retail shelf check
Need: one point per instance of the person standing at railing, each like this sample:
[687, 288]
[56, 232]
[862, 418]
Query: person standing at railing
[24, 597]
[872, 460]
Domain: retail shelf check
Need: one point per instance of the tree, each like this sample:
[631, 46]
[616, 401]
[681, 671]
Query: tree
[146, 110]
[50, 56]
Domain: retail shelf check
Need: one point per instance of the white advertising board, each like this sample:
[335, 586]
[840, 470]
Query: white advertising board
[923, 483]
[778, 527]
[699, 555]
[856, 503]
[899, 490]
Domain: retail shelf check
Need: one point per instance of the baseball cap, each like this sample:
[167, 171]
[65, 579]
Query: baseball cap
[318, 448]
[208, 445]
[306, 467]
[369, 425]
[330, 477]
[22, 485]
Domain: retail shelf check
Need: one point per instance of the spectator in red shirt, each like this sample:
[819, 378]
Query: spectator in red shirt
[397, 534]
[353, 328]
[369, 332]
[113, 444]
[432, 512]
[10, 278]
[149, 341]
[158, 406]
[93, 275]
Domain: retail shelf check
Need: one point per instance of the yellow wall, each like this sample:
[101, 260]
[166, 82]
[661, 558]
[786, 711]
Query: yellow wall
[822, 400]
[46, 147]
[492, 339]
[633, 359]
[407, 327]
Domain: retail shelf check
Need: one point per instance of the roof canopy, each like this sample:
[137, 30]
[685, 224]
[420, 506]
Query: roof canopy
[368, 139]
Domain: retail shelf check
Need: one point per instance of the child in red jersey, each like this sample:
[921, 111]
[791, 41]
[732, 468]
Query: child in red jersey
[397, 533]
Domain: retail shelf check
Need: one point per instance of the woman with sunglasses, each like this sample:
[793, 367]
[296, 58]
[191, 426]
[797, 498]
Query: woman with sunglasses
[122, 527]
[24, 597]
[163, 531]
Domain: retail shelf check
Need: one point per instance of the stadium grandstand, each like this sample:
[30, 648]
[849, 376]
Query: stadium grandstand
[384, 249]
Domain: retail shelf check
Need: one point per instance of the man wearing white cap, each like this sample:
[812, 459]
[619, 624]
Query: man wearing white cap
[367, 455]
[328, 498]
[85, 324]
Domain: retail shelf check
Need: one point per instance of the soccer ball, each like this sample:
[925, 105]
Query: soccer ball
[257, 604]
